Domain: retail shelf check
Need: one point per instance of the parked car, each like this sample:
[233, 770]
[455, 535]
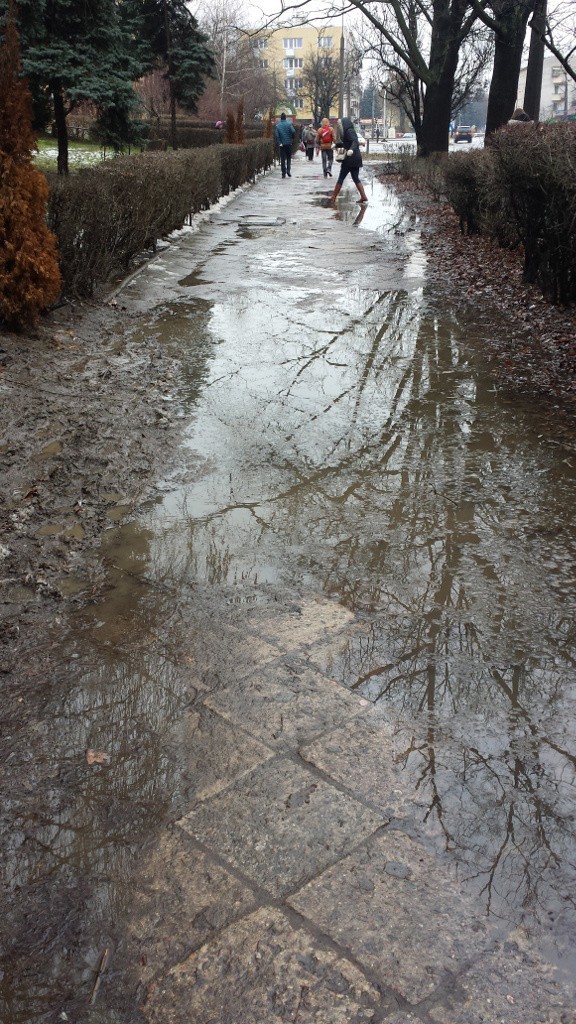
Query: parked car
[463, 133]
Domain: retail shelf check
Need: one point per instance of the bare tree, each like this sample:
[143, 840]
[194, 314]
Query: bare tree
[559, 35]
[404, 85]
[321, 82]
[239, 69]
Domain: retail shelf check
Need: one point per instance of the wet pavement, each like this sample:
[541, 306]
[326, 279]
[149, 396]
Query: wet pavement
[331, 690]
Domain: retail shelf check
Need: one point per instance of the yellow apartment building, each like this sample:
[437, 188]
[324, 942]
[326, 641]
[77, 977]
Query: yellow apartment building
[286, 52]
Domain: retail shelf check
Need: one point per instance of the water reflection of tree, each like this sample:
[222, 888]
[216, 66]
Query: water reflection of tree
[385, 469]
[411, 509]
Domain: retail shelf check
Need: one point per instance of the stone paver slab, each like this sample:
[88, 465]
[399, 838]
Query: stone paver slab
[508, 986]
[314, 620]
[228, 652]
[393, 907]
[259, 971]
[281, 825]
[215, 753]
[181, 898]
[363, 760]
[288, 706]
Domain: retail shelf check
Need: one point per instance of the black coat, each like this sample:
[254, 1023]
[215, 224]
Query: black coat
[350, 141]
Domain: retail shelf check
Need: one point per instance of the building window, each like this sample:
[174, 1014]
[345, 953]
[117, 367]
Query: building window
[263, 63]
[325, 41]
[261, 43]
[298, 103]
[293, 83]
[292, 44]
[293, 62]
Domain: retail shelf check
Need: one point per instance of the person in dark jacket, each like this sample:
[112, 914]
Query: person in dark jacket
[284, 133]
[520, 117]
[309, 140]
[352, 161]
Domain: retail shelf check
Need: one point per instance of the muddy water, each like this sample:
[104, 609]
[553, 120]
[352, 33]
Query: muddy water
[343, 435]
[355, 443]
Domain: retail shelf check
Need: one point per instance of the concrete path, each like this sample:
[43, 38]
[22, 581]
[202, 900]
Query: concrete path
[302, 884]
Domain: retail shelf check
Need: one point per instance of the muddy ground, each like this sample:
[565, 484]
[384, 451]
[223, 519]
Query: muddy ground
[86, 430]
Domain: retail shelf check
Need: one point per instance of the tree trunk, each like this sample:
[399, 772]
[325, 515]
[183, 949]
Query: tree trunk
[437, 109]
[61, 128]
[437, 106]
[509, 43]
[533, 89]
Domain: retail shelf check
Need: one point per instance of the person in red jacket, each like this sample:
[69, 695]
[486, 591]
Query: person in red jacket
[325, 139]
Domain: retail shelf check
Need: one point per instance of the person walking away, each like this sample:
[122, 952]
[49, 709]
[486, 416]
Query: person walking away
[352, 161]
[377, 134]
[284, 132]
[325, 139]
[309, 138]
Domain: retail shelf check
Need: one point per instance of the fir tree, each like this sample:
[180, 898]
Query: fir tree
[80, 50]
[29, 273]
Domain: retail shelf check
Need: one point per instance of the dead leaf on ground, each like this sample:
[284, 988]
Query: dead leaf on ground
[97, 757]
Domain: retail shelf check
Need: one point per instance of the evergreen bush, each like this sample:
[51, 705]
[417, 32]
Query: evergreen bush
[29, 275]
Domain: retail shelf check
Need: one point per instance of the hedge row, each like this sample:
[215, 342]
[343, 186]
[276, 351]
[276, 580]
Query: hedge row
[192, 137]
[522, 190]
[107, 215]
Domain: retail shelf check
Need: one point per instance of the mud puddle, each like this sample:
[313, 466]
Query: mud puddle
[343, 438]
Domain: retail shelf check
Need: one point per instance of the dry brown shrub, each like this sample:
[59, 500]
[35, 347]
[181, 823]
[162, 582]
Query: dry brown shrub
[29, 274]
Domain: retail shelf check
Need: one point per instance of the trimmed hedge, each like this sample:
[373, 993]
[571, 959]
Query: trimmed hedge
[522, 189]
[105, 216]
[192, 137]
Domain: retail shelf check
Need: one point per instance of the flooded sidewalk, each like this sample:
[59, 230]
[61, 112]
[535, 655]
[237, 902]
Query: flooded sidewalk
[332, 683]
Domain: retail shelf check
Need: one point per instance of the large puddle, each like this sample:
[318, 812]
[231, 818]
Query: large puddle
[348, 440]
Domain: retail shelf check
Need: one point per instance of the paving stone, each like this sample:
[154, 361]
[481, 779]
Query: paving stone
[408, 926]
[363, 760]
[315, 619]
[215, 753]
[364, 656]
[228, 652]
[508, 986]
[281, 825]
[402, 1018]
[345, 656]
[180, 899]
[261, 970]
[286, 706]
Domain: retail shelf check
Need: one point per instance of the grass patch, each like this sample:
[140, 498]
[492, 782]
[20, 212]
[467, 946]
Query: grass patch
[80, 154]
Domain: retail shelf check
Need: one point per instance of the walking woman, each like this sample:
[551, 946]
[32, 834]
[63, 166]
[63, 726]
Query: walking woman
[325, 138]
[352, 161]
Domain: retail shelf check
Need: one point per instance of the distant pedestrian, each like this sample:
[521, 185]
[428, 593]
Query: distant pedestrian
[309, 138]
[352, 162]
[284, 132]
[377, 134]
[325, 139]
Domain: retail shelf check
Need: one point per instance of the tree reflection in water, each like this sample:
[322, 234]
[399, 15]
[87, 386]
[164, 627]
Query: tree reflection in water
[373, 457]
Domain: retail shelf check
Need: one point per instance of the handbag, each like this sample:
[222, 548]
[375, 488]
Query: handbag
[340, 155]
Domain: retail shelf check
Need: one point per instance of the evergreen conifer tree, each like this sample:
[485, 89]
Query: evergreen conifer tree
[29, 273]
